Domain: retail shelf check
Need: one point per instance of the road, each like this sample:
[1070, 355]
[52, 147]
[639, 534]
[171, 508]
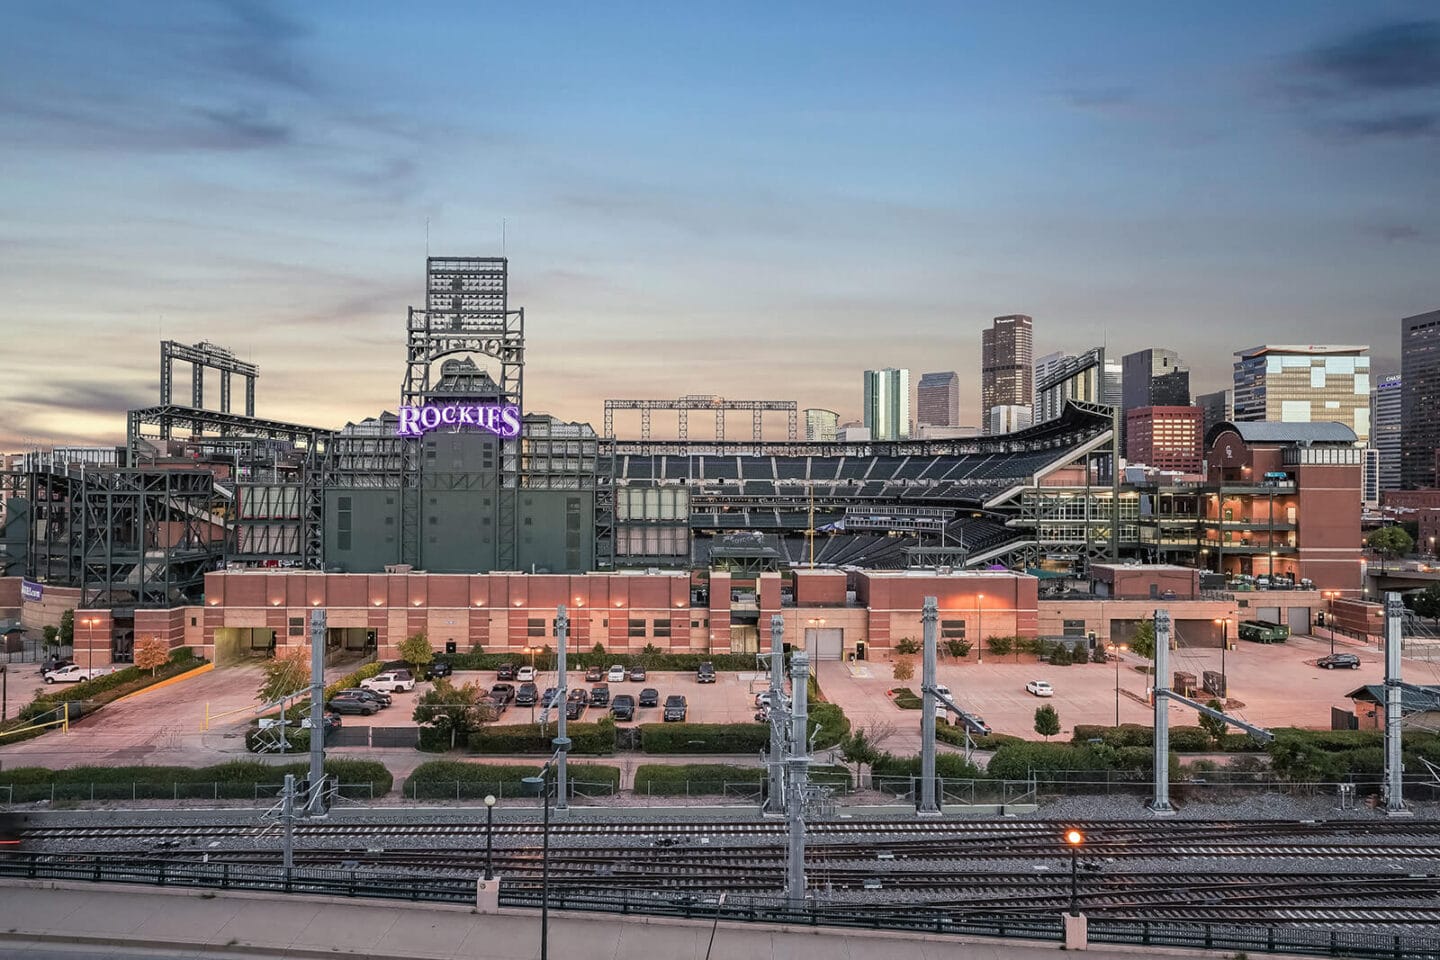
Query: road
[33, 950]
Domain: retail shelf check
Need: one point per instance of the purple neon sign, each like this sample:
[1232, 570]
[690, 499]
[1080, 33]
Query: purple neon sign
[503, 420]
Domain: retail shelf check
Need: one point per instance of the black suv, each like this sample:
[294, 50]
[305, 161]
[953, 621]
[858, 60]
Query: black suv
[706, 673]
[502, 694]
[623, 707]
[675, 709]
[574, 709]
[438, 668]
[649, 697]
[525, 696]
[600, 695]
[579, 695]
[506, 671]
[1346, 660]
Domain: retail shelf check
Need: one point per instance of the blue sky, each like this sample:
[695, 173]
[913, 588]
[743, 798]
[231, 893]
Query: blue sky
[733, 199]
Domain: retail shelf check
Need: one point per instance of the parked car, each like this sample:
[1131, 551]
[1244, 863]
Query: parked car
[594, 674]
[705, 673]
[762, 699]
[649, 697]
[1337, 660]
[579, 695]
[331, 721]
[600, 695]
[380, 700]
[623, 707]
[436, 669]
[506, 671]
[548, 697]
[525, 695]
[394, 682]
[975, 724]
[502, 694]
[675, 709]
[344, 704]
[75, 673]
[616, 674]
[942, 712]
[1041, 688]
[637, 674]
[574, 709]
[56, 663]
[523, 674]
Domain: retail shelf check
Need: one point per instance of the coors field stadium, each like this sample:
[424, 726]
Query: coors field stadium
[460, 478]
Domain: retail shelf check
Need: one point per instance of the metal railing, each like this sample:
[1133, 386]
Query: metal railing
[500, 789]
[914, 918]
[173, 790]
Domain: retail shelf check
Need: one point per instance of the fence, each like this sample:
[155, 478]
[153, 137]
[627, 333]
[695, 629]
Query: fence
[951, 790]
[388, 885]
[1220, 784]
[500, 789]
[11, 794]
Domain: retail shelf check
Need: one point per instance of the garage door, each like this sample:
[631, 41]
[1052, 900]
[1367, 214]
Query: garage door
[1298, 619]
[1199, 633]
[824, 643]
[1268, 614]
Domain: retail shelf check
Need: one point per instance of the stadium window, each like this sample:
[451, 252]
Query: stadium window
[952, 629]
[662, 628]
[535, 627]
[637, 628]
[1073, 628]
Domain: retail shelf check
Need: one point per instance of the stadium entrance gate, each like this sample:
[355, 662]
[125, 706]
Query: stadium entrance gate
[824, 643]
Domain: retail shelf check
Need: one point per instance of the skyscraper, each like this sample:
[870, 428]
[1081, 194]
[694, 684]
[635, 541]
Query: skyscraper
[1419, 400]
[1385, 423]
[1155, 378]
[1218, 407]
[937, 399]
[1087, 378]
[1006, 374]
[821, 425]
[1305, 384]
[887, 403]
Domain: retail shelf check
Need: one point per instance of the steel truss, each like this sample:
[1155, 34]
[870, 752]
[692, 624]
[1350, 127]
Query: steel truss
[209, 425]
[718, 405]
[201, 357]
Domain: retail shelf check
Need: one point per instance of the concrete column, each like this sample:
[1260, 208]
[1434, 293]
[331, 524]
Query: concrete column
[1077, 932]
[487, 895]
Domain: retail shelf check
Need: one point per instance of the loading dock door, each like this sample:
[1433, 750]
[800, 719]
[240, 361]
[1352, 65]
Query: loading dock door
[1268, 614]
[1298, 620]
[824, 643]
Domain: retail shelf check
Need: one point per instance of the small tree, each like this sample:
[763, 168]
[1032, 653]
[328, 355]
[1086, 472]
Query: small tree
[286, 673]
[151, 654]
[1047, 721]
[416, 651]
[904, 669]
[957, 648]
[67, 629]
[598, 649]
[1097, 655]
[1426, 603]
[999, 645]
[860, 749]
[908, 646]
[1060, 655]
[460, 710]
[50, 636]
[1391, 541]
[1143, 642]
[1214, 725]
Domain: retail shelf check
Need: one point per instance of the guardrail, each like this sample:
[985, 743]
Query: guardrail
[136, 790]
[912, 918]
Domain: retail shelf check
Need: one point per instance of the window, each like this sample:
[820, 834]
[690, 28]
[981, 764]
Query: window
[1073, 628]
[192, 621]
[662, 628]
[637, 628]
[535, 627]
[952, 629]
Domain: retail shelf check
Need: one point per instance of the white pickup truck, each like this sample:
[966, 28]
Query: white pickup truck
[75, 673]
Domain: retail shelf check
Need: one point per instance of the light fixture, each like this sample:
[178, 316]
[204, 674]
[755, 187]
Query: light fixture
[1074, 837]
[479, 603]
[314, 603]
[377, 602]
[519, 602]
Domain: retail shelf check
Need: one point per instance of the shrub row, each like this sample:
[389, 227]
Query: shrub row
[906, 699]
[668, 780]
[1190, 739]
[438, 779]
[580, 661]
[593, 739]
[1018, 761]
[951, 766]
[236, 779]
[704, 737]
[954, 734]
[120, 682]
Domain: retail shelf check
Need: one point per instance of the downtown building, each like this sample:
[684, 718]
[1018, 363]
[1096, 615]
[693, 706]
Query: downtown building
[1169, 439]
[887, 404]
[1217, 407]
[821, 426]
[1420, 401]
[1152, 377]
[937, 400]
[1386, 409]
[1304, 384]
[1007, 377]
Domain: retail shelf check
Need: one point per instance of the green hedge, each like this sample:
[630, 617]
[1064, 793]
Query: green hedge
[704, 737]
[438, 779]
[1017, 761]
[906, 699]
[954, 734]
[668, 780]
[593, 739]
[951, 766]
[237, 779]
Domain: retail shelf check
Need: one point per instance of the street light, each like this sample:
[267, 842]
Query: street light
[541, 784]
[1330, 596]
[1117, 649]
[1224, 645]
[1074, 838]
[979, 629]
[489, 834]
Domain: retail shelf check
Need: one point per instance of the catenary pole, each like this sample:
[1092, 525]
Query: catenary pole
[561, 741]
[1161, 802]
[315, 803]
[928, 703]
[775, 798]
[798, 764]
[1394, 708]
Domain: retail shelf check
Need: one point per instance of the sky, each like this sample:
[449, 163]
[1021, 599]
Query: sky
[755, 200]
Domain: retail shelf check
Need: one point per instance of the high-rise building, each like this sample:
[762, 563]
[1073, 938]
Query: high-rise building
[1385, 409]
[1304, 384]
[1087, 378]
[1155, 378]
[1218, 407]
[1046, 366]
[821, 425]
[1009, 418]
[887, 403]
[937, 399]
[1420, 400]
[1167, 438]
[1006, 351]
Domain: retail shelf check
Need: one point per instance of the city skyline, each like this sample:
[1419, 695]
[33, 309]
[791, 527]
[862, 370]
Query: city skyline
[265, 177]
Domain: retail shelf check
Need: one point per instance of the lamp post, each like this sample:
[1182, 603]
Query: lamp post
[1117, 649]
[979, 628]
[542, 784]
[815, 623]
[489, 835]
[1330, 617]
[1074, 838]
[90, 624]
[1224, 645]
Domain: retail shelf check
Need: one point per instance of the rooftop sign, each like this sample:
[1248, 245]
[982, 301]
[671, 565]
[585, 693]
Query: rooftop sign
[503, 420]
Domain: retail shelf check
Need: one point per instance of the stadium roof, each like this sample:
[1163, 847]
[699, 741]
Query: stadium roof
[1275, 431]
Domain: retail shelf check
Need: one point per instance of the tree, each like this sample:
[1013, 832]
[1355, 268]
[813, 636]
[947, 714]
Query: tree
[67, 629]
[50, 636]
[285, 674]
[460, 710]
[1143, 642]
[860, 749]
[957, 648]
[416, 651]
[1426, 603]
[151, 654]
[904, 670]
[1047, 721]
[999, 645]
[1391, 541]
[907, 646]
[1214, 725]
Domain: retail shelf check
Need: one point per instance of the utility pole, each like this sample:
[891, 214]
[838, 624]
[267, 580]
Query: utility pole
[1394, 709]
[1161, 688]
[928, 616]
[775, 798]
[561, 741]
[798, 765]
[287, 823]
[315, 802]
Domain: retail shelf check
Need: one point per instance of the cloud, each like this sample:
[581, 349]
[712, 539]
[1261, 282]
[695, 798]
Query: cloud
[86, 398]
[260, 46]
[1102, 100]
[1395, 232]
[1392, 57]
[1400, 126]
